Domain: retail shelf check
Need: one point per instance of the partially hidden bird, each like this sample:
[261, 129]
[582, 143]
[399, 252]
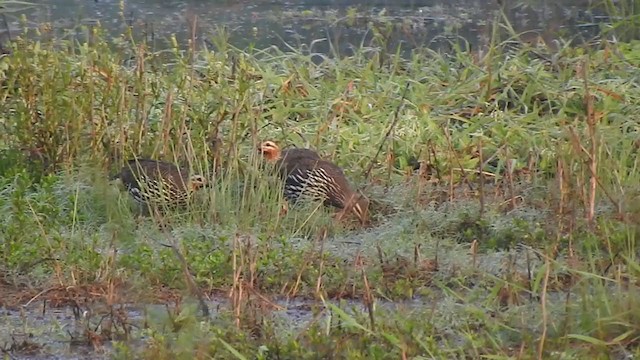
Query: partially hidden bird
[158, 183]
[307, 176]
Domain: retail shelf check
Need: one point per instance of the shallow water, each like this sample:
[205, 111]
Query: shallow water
[48, 331]
[58, 333]
[322, 26]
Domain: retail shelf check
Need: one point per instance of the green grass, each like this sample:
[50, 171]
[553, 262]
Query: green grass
[535, 257]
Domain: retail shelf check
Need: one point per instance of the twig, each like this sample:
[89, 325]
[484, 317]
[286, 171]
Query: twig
[38, 295]
[386, 136]
[495, 154]
[611, 263]
[190, 282]
[246, 135]
[267, 300]
[380, 255]
[306, 142]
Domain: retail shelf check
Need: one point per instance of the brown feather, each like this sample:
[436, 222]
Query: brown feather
[308, 176]
[152, 182]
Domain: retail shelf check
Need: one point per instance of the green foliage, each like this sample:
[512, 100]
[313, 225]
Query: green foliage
[500, 151]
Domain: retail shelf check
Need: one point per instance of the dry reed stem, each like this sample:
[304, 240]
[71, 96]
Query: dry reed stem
[140, 105]
[236, 293]
[474, 253]
[390, 159]
[560, 173]
[543, 305]
[529, 275]
[593, 160]
[510, 186]
[294, 289]
[321, 238]
[166, 124]
[368, 299]
[481, 190]
[393, 124]
[453, 155]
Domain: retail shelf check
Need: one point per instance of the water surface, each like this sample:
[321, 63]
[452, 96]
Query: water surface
[325, 26]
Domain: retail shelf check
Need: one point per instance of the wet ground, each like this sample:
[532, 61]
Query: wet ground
[67, 322]
[37, 331]
[322, 26]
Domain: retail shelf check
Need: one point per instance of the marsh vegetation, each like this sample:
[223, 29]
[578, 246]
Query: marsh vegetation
[503, 184]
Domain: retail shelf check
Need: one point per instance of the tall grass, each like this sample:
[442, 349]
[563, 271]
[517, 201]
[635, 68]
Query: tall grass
[624, 18]
[504, 194]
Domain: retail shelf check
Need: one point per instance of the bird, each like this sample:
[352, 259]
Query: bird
[158, 183]
[272, 152]
[306, 175]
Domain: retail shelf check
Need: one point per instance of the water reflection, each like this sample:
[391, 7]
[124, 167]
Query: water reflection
[343, 24]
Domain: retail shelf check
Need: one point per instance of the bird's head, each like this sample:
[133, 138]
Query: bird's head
[270, 150]
[197, 182]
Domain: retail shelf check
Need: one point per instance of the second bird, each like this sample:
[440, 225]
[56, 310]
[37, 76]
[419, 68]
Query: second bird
[157, 183]
[306, 175]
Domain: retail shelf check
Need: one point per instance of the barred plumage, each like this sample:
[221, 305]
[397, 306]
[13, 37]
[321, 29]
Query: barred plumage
[155, 183]
[307, 176]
